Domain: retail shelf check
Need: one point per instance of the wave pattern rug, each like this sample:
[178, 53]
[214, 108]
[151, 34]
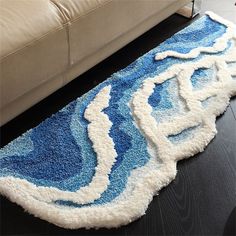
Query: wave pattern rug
[99, 161]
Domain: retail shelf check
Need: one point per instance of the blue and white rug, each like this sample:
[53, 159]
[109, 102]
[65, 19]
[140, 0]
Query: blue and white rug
[99, 161]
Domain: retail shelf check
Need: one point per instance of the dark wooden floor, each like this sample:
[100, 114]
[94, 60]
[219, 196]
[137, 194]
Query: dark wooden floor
[202, 198]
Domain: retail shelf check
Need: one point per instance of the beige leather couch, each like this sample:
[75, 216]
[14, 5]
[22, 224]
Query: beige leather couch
[44, 44]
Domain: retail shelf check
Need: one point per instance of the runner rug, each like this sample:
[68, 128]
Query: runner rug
[99, 161]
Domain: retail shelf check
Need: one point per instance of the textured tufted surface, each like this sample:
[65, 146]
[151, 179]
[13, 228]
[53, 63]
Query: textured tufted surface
[99, 161]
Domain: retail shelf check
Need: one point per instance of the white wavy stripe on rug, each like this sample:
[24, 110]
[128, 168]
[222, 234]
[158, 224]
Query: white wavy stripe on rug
[133, 202]
[219, 45]
[98, 132]
[222, 89]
